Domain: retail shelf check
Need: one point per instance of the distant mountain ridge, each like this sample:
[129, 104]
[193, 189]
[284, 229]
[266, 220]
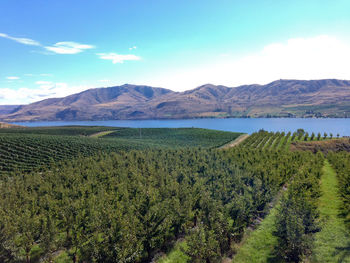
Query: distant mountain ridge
[7, 109]
[281, 98]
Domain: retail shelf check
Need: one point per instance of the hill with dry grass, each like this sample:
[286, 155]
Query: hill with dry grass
[281, 98]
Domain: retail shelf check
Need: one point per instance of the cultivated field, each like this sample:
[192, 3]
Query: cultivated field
[102, 194]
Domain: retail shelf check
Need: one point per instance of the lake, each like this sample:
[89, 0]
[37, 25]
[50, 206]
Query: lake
[249, 125]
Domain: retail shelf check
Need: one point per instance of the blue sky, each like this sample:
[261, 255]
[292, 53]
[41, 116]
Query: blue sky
[56, 48]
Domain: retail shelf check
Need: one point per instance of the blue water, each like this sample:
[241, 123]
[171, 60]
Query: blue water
[335, 126]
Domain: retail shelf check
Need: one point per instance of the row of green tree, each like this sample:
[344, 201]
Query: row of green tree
[26, 152]
[281, 140]
[268, 140]
[128, 206]
[297, 217]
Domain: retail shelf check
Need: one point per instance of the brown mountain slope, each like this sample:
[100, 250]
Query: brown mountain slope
[300, 98]
[7, 109]
[101, 103]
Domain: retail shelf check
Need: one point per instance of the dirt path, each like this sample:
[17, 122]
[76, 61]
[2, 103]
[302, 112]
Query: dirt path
[100, 134]
[235, 142]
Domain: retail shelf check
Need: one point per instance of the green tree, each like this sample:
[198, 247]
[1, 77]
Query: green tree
[312, 136]
[202, 245]
[296, 218]
[300, 133]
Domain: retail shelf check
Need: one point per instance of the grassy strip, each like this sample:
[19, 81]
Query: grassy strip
[268, 142]
[275, 141]
[100, 134]
[332, 243]
[288, 143]
[281, 143]
[262, 141]
[259, 244]
[272, 141]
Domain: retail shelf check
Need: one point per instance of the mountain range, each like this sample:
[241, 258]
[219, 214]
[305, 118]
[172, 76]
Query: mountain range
[281, 98]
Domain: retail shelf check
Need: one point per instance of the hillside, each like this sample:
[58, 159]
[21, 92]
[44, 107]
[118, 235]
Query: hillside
[7, 109]
[281, 98]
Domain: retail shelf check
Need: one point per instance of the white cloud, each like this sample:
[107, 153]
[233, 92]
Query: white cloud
[298, 58]
[134, 47]
[12, 78]
[317, 57]
[25, 41]
[42, 91]
[68, 48]
[117, 58]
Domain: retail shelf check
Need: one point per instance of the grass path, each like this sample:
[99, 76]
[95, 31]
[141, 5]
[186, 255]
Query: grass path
[332, 243]
[100, 134]
[289, 141]
[258, 246]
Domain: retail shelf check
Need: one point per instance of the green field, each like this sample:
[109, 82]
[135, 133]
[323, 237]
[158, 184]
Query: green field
[64, 130]
[330, 241]
[24, 149]
[176, 137]
[102, 194]
[280, 141]
[26, 152]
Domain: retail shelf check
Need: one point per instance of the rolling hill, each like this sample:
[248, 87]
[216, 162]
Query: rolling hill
[281, 98]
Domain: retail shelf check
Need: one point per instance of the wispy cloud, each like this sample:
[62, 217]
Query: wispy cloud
[65, 47]
[68, 48]
[134, 47]
[26, 95]
[25, 41]
[117, 58]
[12, 78]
